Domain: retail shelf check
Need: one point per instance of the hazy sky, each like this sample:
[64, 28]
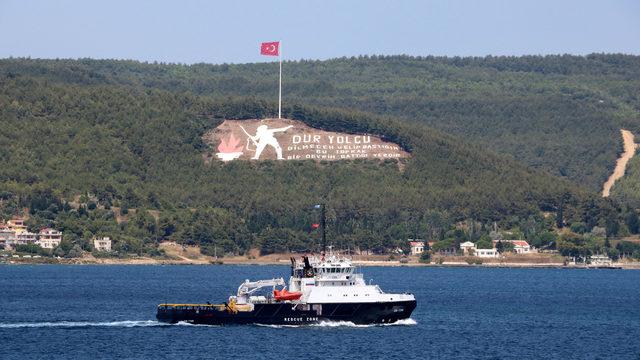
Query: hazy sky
[230, 31]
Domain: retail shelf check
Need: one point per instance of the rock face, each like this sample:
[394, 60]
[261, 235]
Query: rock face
[285, 139]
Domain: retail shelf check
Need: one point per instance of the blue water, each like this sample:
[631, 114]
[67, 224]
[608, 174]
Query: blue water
[467, 313]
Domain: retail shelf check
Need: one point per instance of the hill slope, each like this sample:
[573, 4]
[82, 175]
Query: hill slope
[135, 147]
[557, 113]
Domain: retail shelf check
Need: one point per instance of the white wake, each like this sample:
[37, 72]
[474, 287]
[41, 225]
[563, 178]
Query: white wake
[337, 324]
[403, 322]
[75, 324]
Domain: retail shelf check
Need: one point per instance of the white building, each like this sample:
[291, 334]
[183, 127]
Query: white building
[519, 246]
[417, 247]
[7, 237]
[601, 260]
[468, 247]
[25, 238]
[14, 232]
[487, 253]
[49, 238]
[102, 244]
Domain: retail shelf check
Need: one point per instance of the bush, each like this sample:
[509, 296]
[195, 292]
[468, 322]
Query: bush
[425, 257]
[103, 254]
[32, 249]
[75, 252]
[155, 252]
[474, 261]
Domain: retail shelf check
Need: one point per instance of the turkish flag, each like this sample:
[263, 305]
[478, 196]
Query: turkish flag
[270, 48]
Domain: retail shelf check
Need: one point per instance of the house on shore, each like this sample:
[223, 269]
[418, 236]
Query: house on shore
[519, 247]
[102, 244]
[487, 253]
[468, 248]
[49, 238]
[417, 246]
[15, 232]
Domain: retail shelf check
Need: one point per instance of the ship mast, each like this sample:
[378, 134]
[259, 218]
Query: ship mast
[323, 223]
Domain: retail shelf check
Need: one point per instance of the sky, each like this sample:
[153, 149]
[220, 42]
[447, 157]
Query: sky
[190, 31]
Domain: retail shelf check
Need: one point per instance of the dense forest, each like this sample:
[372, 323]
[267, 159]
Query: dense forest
[557, 113]
[84, 143]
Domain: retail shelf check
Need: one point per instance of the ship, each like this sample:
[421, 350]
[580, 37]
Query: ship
[322, 288]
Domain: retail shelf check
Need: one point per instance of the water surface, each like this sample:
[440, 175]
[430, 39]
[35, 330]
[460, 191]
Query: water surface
[105, 312]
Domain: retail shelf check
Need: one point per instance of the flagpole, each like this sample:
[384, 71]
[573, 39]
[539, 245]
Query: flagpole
[280, 83]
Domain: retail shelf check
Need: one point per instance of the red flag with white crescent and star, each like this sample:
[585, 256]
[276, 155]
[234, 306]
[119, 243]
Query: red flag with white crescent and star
[270, 48]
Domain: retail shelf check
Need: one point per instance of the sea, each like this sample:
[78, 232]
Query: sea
[108, 312]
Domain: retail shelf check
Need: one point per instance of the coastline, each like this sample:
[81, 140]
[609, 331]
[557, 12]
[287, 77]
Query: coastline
[270, 260]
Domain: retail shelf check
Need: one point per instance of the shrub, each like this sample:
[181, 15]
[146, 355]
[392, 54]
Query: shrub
[425, 257]
[474, 261]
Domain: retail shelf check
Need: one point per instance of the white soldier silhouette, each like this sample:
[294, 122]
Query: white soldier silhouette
[264, 136]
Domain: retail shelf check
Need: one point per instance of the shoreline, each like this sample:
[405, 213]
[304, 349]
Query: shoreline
[263, 262]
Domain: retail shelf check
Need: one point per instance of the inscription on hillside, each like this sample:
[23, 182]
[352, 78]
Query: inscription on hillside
[284, 139]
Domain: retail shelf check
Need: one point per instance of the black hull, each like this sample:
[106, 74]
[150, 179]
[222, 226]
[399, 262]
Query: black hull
[288, 314]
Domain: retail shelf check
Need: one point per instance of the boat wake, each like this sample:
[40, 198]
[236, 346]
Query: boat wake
[185, 323]
[83, 324]
[403, 322]
[338, 324]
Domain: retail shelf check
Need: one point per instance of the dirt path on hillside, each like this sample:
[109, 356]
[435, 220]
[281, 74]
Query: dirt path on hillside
[621, 163]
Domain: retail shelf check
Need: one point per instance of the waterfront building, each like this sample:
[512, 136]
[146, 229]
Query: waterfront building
[49, 238]
[7, 237]
[519, 246]
[17, 225]
[468, 247]
[25, 238]
[417, 246]
[102, 244]
[601, 260]
[487, 253]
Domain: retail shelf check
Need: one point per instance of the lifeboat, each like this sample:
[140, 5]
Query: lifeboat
[282, 295]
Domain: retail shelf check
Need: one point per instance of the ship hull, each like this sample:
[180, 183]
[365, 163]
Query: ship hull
[290, 314]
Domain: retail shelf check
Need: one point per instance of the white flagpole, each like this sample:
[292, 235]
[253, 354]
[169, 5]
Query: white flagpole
[280, 83]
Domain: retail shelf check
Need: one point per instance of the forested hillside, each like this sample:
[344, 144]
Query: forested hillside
[557, 113]
[82, 142]
[129, 147]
